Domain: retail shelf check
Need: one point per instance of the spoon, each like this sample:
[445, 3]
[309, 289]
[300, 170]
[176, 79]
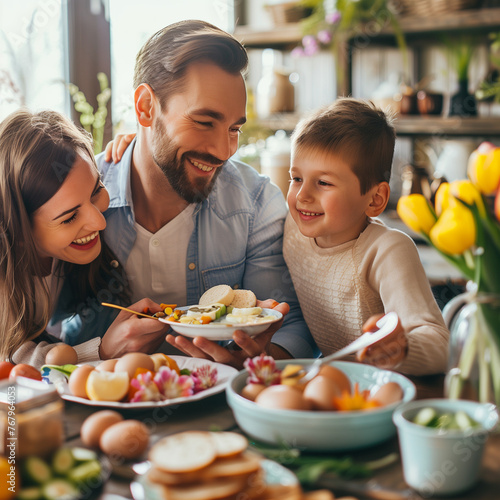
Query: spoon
[128, 310]
[386, 325]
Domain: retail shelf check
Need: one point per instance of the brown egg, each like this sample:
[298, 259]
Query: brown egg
[128, 439]
[78, 380]
[94, 425]
[338, 376]
[61, 354]
[251, 391]
[107, 365]
[133, 360]
[320, 392]
[282, 397]
[388, 393]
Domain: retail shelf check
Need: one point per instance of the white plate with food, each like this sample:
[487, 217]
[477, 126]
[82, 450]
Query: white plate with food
[224, 326]
[200, 464]
[224, 374]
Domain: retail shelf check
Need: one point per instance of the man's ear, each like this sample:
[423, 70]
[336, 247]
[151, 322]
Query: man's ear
[380, 198]
[144, 102]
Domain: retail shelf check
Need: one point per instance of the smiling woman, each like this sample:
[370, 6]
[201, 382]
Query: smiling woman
[51, 215]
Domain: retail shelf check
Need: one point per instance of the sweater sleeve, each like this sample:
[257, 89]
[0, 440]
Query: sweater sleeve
[33, 353]
[394, 269]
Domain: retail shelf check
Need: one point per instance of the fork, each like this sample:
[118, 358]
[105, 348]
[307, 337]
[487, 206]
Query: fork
[386, 325]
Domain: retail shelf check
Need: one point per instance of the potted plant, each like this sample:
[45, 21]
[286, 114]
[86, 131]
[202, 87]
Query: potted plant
[461, 50]
[333, 24]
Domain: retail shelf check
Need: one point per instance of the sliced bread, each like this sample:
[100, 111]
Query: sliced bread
[219, 294]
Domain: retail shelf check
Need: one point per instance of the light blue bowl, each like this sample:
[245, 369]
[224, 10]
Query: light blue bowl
[437, 462]
[320, 430]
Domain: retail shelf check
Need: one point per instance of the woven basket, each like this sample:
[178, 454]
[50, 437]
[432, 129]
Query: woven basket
[286, 12]
[425, 8]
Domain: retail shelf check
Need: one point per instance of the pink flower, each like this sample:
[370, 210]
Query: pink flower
[146, 388]
[297, 52]
[309, 41]
[204, 377]
[262, 370]
[324, 36]
[310, 50]
[171, 385]
[333, 17]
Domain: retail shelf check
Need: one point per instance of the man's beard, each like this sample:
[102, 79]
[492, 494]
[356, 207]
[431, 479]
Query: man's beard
[165, 156]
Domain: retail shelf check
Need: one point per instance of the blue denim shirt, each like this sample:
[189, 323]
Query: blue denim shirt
[237, 240]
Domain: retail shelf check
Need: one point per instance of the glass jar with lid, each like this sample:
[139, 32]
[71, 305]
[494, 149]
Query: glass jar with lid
[30, 418]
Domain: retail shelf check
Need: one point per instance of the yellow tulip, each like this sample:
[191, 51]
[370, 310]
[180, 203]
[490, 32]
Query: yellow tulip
[497, 205]
[447, 194]
[484, 168]
[442, 198]
[415, 211]
[467, 192]
[454, 231]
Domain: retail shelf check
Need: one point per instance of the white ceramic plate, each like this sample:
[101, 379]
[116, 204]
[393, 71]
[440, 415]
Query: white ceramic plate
[224, 374]
[221, 331]
[274, 472]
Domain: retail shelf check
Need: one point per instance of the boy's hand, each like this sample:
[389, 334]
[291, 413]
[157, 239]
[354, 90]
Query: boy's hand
[388, 352]
[244, 346]
[115, 148]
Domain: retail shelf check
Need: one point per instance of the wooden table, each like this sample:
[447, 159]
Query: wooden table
[214, 413]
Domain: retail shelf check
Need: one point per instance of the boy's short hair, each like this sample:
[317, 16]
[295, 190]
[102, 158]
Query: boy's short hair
[356, 130]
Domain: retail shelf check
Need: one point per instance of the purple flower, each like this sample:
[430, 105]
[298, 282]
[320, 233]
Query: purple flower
[324, 36]
[333, 17]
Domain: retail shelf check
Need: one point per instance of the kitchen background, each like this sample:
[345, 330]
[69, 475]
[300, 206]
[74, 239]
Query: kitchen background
[47, 44]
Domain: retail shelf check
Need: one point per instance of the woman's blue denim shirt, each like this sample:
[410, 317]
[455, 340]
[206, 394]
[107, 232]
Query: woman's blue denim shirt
[237, 240]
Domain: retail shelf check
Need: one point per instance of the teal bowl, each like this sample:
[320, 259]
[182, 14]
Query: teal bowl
[321, 430]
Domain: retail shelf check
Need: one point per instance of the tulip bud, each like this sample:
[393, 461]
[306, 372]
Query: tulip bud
[467, 192]
[415, 211]
[455, 230]
[442, 198]
[484, 168]
[497, 205]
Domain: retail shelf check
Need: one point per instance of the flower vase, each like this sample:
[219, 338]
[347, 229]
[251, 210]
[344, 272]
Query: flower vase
[474, 353]
[463, 103]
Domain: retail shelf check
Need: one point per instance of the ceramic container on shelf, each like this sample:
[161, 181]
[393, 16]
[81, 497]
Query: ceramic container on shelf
[437, 461]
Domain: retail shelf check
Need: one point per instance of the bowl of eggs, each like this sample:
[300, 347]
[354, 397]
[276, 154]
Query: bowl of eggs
[347, 406]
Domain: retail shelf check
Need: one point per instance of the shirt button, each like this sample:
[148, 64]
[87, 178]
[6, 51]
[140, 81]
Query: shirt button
[192, 266]
[235, 287]
[155, 243]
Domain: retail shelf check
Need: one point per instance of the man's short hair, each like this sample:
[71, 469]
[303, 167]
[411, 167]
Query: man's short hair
[164, 59]
[356, 130]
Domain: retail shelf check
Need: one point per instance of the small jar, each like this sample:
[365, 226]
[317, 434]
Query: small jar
[30, 418]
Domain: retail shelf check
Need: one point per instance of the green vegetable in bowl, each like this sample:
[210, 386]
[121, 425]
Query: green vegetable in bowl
[460, 420]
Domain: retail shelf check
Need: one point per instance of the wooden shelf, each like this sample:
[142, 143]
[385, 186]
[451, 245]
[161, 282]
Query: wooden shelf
[420, 125]
[286, 34]
[411, 125]
[291, 34]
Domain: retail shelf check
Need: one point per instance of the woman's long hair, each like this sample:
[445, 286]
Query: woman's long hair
[37, 152]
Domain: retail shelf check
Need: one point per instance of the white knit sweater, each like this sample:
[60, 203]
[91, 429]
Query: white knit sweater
[339, 288]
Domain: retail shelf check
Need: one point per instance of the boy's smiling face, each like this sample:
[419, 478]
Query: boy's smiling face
[325, 199]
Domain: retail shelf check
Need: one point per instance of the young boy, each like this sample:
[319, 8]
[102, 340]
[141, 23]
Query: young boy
[346, 265]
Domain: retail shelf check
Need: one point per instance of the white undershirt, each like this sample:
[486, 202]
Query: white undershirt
[156, 267]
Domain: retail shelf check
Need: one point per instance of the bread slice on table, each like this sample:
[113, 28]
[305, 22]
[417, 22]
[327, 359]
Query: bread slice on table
[219, 294]
[243, 299]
